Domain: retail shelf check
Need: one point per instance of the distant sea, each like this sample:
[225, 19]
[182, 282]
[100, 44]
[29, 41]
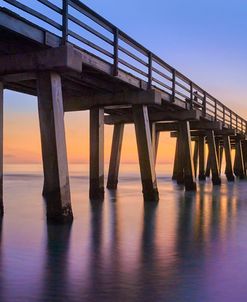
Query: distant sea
[188, 247]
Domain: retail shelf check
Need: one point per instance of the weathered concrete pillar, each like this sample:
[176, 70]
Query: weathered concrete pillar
[155, 136]
[96, 173]
[213, 158]
[208, 166]
[217, 146]
[220, 157]
[239, 170]
[228, 158]
[201, 141]
[116, 148]
[179, 160]
[1, 149]
[176, 161]
[195, 157]
[145, 153]
[244, 149]
[54, 154]
[185, 145]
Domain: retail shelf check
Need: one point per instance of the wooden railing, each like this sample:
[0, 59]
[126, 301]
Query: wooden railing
[75, 23]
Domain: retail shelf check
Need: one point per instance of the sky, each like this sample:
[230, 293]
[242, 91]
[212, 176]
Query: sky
[206, 40]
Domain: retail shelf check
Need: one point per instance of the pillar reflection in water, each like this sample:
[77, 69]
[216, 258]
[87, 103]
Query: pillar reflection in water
[1, 264]
[56, 264]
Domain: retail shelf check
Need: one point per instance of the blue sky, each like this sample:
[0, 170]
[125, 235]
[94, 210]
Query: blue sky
[206, 40]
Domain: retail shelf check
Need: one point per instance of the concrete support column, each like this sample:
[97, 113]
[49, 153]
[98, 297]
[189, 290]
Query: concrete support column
[96, 173]
[179, 160]
[244, 149]
[155, 136]
[176, 161]
[220, 157]
[208, 167]
[145, 153]
[213, 158]
[186, 156]
[228, 158]
[201, 141]
[239, 170]
[195, 157]
[1, 150]
[116, 148]
[54, 154]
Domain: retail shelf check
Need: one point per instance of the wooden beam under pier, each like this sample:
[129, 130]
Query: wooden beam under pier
[195, 133]
[155, 117]
[125, 97]
[194, 125]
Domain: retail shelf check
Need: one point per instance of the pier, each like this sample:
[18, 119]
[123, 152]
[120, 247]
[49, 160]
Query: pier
[73, 59]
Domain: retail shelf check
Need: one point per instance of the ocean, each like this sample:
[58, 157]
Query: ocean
[187, 247]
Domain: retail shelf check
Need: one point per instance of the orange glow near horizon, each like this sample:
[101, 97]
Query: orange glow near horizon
[22, 139]
[22, 136]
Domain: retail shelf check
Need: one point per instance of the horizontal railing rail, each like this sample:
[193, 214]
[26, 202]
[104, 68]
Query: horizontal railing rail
[76, 23]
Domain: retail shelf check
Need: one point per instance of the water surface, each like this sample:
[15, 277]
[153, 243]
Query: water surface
[188, 247]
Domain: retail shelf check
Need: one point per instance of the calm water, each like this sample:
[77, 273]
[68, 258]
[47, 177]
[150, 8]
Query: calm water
[188, 247]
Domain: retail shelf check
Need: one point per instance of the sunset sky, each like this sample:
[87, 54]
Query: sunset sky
[206, 40]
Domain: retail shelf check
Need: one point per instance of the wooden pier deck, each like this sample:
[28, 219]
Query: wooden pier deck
[73, 59]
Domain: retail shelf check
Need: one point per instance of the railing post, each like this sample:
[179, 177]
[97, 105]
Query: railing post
[150, 69]
[65, 12]
[204, 109]
[230, 118]
[236, 122]
[173, 84]
[224, 116]
[115, 63]
[215, 110]
[191, 95]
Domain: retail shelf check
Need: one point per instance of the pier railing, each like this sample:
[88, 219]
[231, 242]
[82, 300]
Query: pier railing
[76, 23]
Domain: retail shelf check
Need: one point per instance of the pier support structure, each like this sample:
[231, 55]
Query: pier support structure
[213, 158]
[195, 156]
[221, 150]
[56, 177]
[244, 149]
[116, 148]
[207, 172]
[145, 153]
[228, 158]
[239, 170]
[185, 158]
[96, 185]
[201, 147]
[155, 136]
[176, 161]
